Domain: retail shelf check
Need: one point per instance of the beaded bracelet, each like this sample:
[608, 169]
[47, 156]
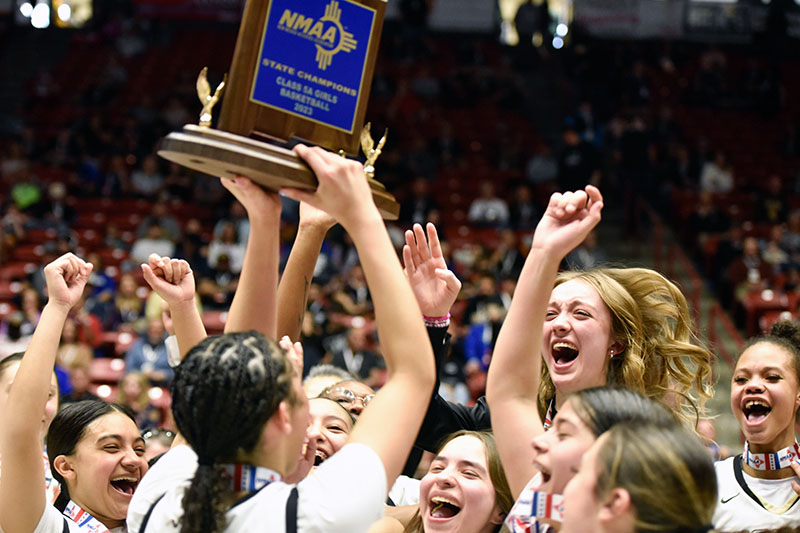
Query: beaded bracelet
[438, 321]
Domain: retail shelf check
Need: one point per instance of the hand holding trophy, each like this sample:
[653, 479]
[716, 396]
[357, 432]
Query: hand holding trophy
[301, 72]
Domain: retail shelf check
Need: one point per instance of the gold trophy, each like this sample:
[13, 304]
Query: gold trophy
[301, 71]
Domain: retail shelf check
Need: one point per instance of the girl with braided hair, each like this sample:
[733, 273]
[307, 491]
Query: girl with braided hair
[95, 450]
[237, 399]
[759, 488]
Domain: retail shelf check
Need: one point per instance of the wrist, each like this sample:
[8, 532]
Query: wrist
[363, 219]
[437, 321]
[312, 229]
[58, 307]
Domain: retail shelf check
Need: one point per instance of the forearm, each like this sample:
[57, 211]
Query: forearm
[397, 314]
[516, 360]
[253, 305]
[188, 325]
[296, 280]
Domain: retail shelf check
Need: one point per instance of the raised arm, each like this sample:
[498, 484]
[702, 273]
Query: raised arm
[173, 280]
[512, 385]
[395, 414]
[22, 495]
[299, 271]
[253, 305]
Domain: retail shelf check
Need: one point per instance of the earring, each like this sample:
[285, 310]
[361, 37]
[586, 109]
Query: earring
[611, 353]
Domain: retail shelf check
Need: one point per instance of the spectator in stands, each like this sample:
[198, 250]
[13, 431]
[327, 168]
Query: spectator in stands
[13, 228]
[717, 175]
[79, 379]
[587, 255]
[227, 244]
[353, 295]
[31, 307]
[117, 177]
[147, 181]
[772, 204]
[772, 250]
[352, 353]
[114, 238]
[153, 243]
[578, 163]
[71, 352]
[11, 339]
[488, 209]
[129, 306]
[507, 258]
[160, 216]
[237, 216]
[148, 355]
[216, 289]
[707, 219]
[791, 237]
[416, 208]
[53, 211]
[749, 271]
[177, 183]
[134, 392]
[541, 170]
[523, 213]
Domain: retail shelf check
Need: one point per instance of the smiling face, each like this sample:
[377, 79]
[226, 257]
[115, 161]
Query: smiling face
[105, 468]
[765, 396]
[50, 408]
[559, 450]
[457, 493]
[576, 337]
[330, 427]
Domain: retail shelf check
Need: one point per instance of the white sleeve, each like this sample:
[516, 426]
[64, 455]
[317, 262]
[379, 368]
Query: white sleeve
[173, 469]
[345, 494]
[173, 352]
[52, 521]
[405, 491]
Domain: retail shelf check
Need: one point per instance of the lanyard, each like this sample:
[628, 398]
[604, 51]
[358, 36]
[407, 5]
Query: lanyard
[771, 461]
[248, 478]
[84, 520]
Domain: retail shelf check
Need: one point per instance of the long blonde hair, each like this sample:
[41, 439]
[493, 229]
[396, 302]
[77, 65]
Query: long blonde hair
[667, 472]
[662, 359]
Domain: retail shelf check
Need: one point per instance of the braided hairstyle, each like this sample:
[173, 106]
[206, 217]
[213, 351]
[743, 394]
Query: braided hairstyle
[223, 394]
[662, 358]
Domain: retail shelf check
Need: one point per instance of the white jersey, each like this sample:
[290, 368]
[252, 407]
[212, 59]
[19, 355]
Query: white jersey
[748, 503]
[345, 494]
[53, 521]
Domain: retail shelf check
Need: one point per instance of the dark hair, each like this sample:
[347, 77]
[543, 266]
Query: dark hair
[223, 393]
[601, 408]
[785, 334]
[6, 363]
[68, 428]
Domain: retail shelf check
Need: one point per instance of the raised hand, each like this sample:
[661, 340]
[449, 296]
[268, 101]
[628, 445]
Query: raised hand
[66, 277]
[294, 351]
[568, 219]
[172, 279]
[342, 192]
[255, 199]
[435, 287]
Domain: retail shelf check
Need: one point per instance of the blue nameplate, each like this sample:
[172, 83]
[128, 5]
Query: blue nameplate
[313, 57]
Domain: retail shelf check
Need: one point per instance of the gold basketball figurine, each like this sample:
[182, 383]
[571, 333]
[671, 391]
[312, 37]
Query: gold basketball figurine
[206, 98]
[372, 153]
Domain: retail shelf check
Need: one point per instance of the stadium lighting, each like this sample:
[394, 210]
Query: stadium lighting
[40, 17]
[64, 12]
[26, 9]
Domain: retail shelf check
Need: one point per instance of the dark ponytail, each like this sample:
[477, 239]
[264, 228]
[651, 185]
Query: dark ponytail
[68, 428]
[223, 393]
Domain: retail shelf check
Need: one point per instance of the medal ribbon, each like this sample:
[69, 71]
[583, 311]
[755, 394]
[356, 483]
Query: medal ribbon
[84, 520]
[546, 505]
[771, 461]
[248, 478]
[550, 415]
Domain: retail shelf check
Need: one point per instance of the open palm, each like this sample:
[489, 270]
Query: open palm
[435, 287]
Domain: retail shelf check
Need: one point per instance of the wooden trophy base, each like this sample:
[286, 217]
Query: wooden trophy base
[222, 154]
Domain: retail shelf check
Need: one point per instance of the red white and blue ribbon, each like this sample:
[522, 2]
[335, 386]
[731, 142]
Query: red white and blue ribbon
[771, 461]
[84, 520]
[545, 505]
[248, 478]
[550, 415]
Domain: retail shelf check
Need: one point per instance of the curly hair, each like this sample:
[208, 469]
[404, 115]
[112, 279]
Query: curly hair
[662, 357]
[223, 394]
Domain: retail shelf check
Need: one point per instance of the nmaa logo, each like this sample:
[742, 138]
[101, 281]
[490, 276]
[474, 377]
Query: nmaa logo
[327, 33]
